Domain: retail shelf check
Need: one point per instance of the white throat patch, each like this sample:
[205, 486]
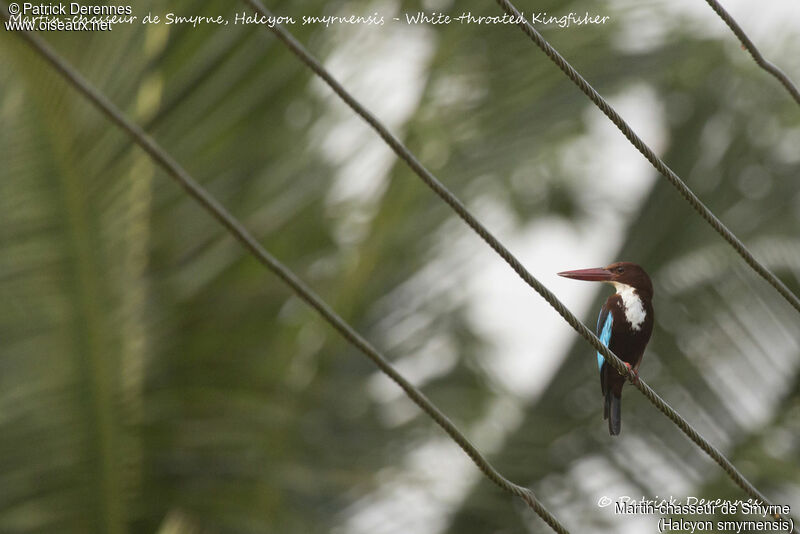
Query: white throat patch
[634, 309]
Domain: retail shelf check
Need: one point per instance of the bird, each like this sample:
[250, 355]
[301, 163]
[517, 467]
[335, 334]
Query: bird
[624, 326]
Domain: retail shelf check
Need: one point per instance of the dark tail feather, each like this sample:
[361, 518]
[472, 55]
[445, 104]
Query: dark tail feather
[612, 411]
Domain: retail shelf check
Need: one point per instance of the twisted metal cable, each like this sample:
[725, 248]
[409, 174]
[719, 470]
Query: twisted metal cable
[447, 196]
[648, 153]
[241, 234]
[234, 226]
[750, 47]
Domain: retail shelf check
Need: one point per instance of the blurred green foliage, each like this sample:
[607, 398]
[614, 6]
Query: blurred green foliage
[154, 378]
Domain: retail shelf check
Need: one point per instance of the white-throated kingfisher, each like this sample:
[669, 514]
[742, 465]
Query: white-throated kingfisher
[624, 326]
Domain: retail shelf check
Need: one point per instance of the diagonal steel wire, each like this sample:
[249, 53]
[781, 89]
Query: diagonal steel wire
[447, 196]
[237, 230]
[211, 205]
[648, 153]
[750, 47]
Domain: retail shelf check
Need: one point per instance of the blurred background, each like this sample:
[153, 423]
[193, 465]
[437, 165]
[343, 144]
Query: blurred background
[155, 378]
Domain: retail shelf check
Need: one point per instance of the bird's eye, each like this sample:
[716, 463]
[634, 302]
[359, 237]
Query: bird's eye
[620, 270]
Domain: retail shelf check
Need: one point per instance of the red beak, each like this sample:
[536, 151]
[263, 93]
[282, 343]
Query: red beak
[591, 275]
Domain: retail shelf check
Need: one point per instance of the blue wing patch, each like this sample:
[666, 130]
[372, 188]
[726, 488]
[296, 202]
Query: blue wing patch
[606, 319]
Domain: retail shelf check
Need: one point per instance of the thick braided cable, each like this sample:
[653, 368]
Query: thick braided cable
[750, 47]
[648, 153]
[234, 226]
[447, 196]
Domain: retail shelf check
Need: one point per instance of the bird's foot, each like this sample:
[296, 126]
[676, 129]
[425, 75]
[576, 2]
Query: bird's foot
[634, 374]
